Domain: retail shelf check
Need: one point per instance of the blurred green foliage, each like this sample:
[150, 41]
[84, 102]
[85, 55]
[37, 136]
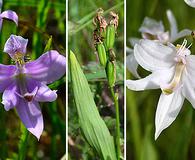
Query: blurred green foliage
[176, 142]
[81, 29]
[37, 21]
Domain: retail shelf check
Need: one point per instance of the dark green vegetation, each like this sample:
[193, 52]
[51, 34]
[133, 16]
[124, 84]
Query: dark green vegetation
[81, 43]
[38, 20]
[176, 142]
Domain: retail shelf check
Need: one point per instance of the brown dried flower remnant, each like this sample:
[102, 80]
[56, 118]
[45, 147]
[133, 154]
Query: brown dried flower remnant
[99, 20]
[114, 19]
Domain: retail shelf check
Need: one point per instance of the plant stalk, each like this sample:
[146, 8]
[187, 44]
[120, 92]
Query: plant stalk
[117, 138]
[23, 143]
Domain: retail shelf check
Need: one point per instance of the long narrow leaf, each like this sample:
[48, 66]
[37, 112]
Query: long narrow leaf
[93, 127]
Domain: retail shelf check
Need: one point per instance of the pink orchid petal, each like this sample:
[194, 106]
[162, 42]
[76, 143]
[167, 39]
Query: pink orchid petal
[6, 76]
[10, 98]
[45, 94]
[47, 68]
[31, 116]
[15, 44]
[11, 15]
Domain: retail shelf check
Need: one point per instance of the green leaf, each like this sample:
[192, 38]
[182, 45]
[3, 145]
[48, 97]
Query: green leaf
[148, 151]
[42, 14]
[93, 127]
[180, 147]
[48, 45]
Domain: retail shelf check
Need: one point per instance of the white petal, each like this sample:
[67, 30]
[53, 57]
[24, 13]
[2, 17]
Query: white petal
[1, 3]
[151, 26]
[190, 3]
[163, 37]
[153, 81]
[154, 55]
[189, 91]
[182, 33]
[129, 50]
[173, 23]
[134, 41]
[190, 69]
[132, 64]
[167, 110]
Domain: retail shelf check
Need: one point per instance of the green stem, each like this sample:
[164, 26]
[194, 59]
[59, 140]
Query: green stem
[23, 143]
[117, 138]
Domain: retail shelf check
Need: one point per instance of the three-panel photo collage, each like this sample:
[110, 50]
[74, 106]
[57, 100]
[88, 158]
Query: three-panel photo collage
[97, 80]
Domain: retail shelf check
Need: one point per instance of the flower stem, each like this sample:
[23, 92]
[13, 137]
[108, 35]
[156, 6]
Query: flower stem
[23, 143]
[117, 138]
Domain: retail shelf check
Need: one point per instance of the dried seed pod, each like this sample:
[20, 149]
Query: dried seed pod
[111, 73]
[110, 36]
[115, 19]
[102, 54]
[100, 22]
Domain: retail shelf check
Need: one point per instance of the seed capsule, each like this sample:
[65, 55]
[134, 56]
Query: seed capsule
[102, 54]
[111, 73]
[110, 36]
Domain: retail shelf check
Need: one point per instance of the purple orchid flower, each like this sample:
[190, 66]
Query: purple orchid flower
[8, 14]
[24, 84]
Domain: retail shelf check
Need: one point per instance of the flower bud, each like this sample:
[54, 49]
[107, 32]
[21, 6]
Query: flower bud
[110, 36]
[111, 73]
[102, 54]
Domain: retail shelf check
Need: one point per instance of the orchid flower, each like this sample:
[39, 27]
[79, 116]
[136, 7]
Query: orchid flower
[153, 30]
[191, 3]
[24, 84]
[8, 14]
[173, 71]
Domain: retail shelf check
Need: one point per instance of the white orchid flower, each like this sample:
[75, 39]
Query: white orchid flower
[154, 30]
[151, 29]
[173, 70]
[191, 3]
[131, 63]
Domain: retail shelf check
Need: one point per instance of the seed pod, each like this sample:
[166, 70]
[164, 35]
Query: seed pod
[102, 54]
[111, 73]
[110, 36]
